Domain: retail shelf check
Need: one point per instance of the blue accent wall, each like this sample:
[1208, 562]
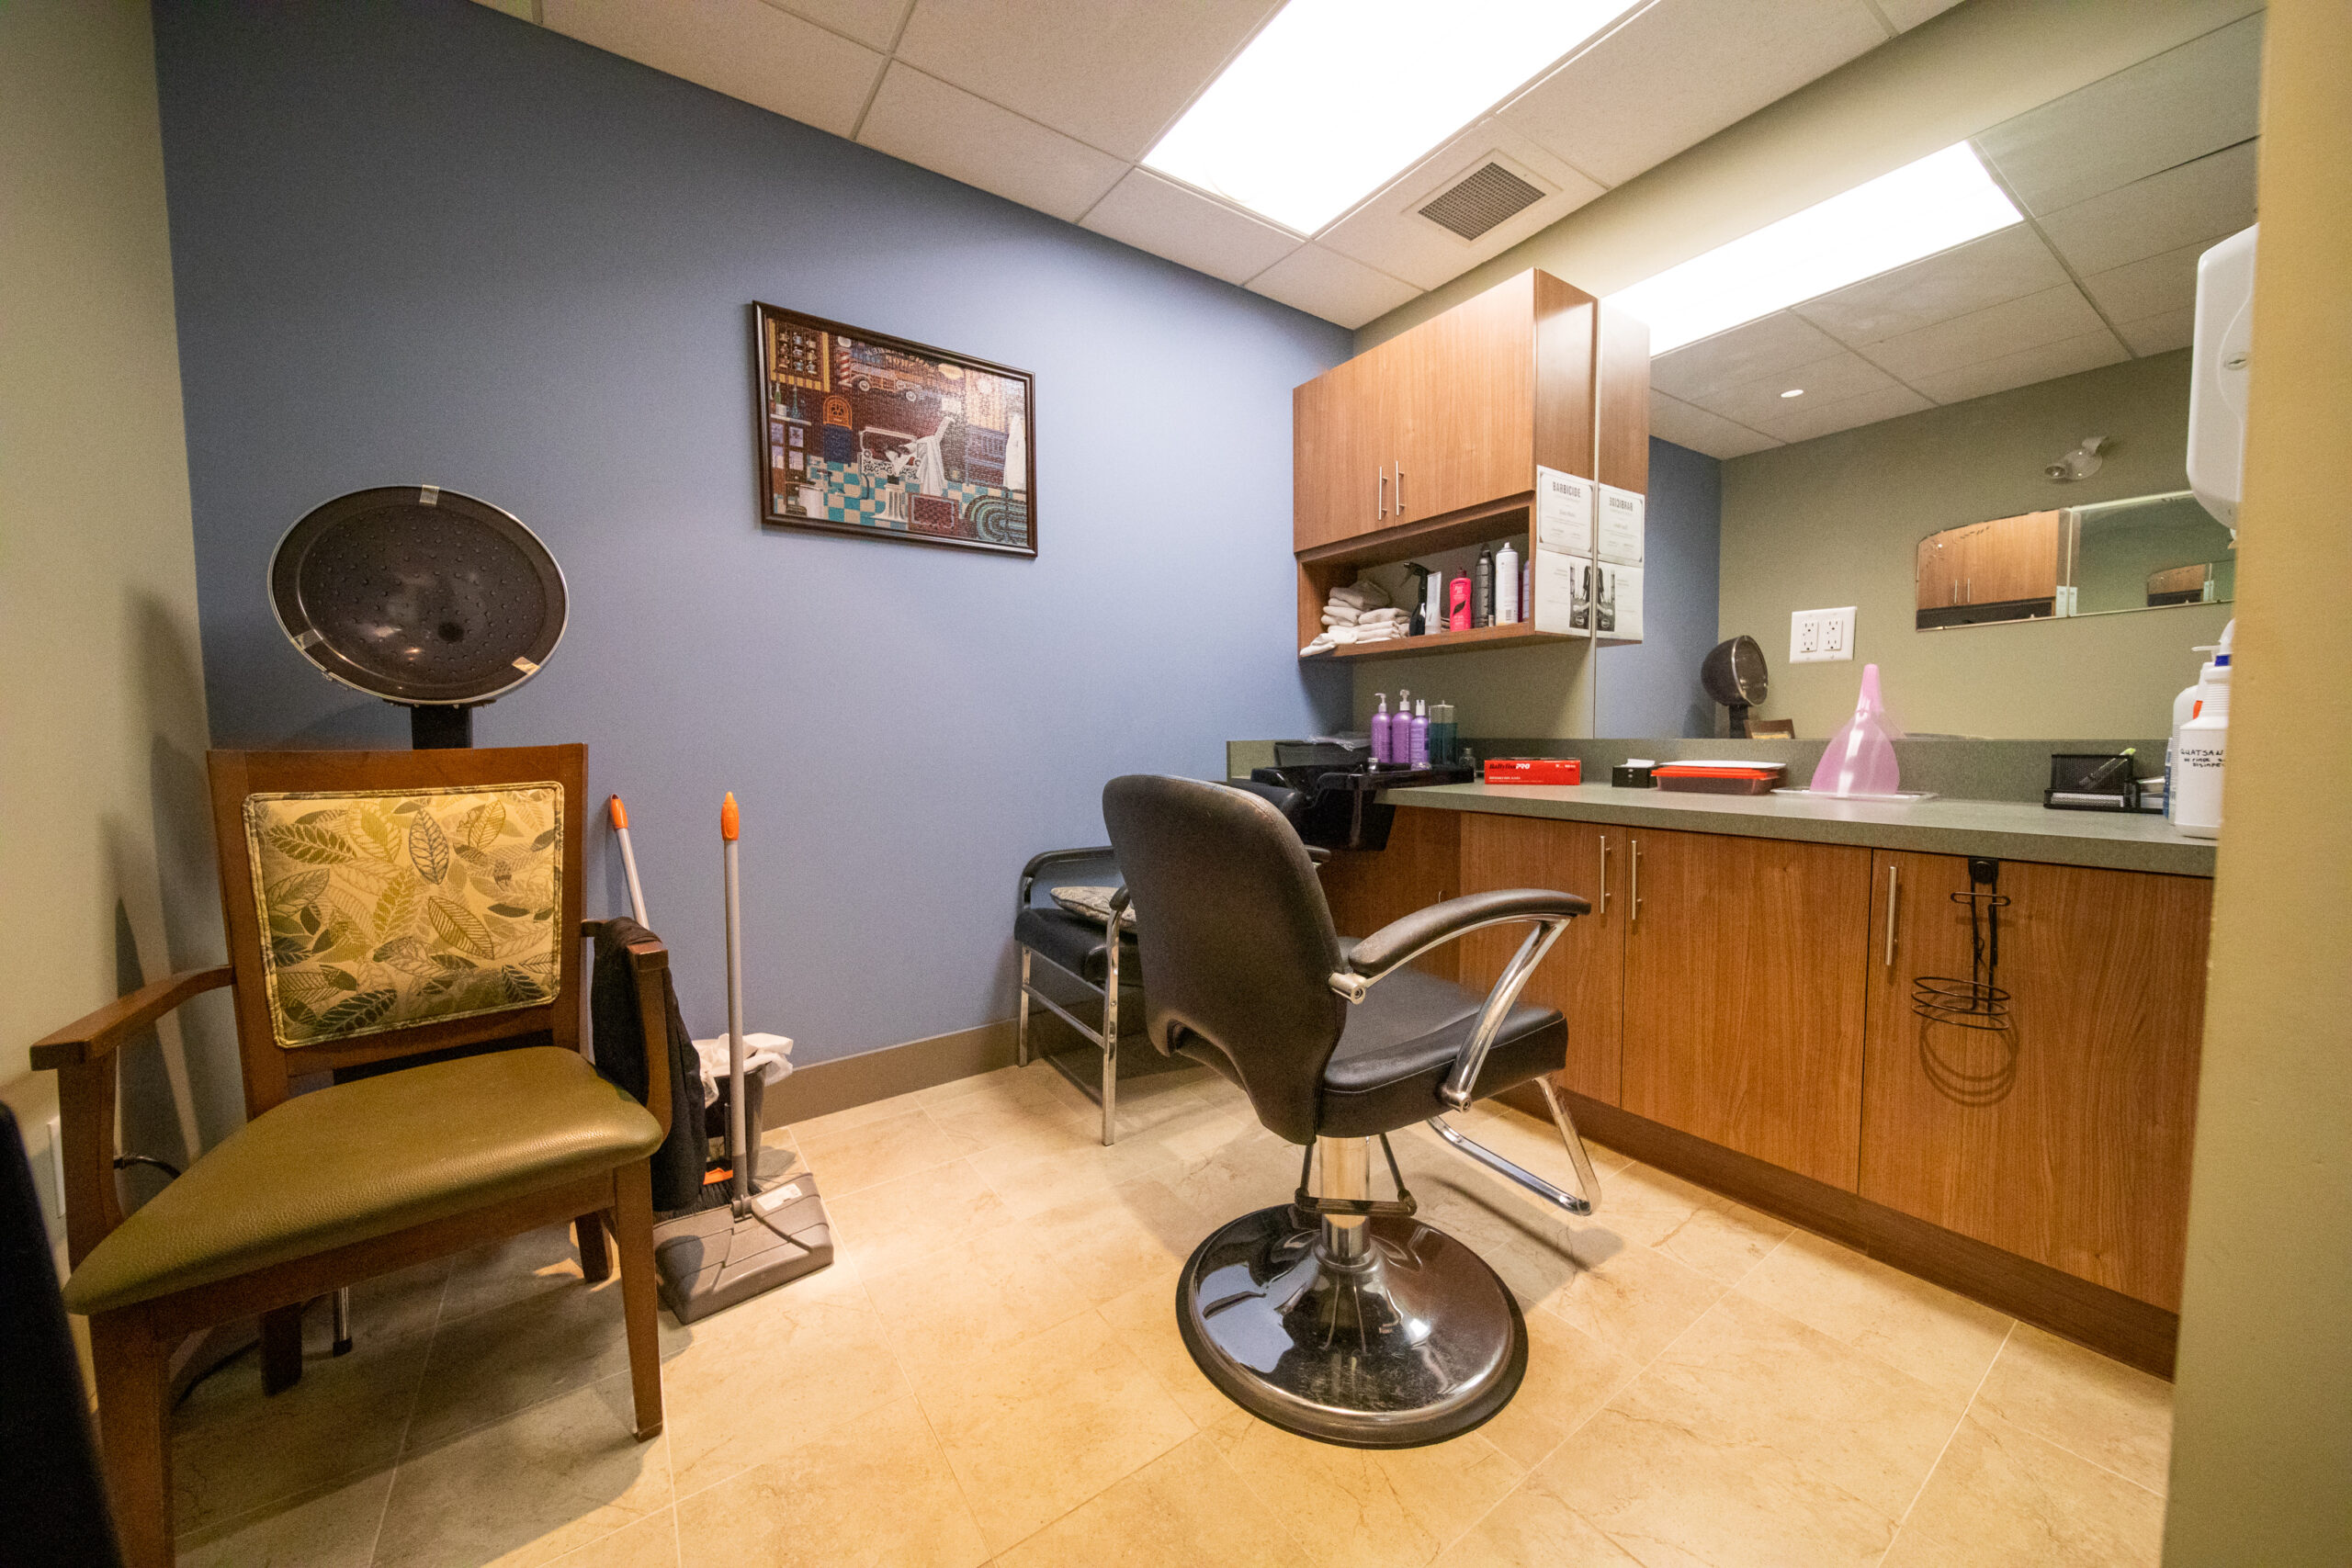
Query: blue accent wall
[1652, 688]
[427, 243]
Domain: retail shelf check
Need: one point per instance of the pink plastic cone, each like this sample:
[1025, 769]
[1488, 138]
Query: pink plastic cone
[1861, 758]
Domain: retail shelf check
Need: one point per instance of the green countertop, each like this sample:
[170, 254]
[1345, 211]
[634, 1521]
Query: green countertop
[2006, 830]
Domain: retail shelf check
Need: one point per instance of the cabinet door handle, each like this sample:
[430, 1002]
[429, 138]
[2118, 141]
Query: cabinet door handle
[1891, 871]
[1380, 495]
[1400, 490]
[1634, 889]
[1604, 876]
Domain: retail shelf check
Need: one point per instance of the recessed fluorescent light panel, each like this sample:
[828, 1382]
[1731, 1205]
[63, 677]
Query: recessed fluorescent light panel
[1944, 199]
[1335, 97]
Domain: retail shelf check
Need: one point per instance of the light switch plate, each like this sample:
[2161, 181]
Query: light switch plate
[1817, 636]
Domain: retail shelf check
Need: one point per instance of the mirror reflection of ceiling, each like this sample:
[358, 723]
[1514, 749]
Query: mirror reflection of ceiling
[2124, 183]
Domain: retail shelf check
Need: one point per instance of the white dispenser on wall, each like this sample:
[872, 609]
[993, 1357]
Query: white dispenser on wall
[2217, 375]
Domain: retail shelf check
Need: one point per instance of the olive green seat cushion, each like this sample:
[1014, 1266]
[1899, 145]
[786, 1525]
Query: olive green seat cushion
[364, 1159]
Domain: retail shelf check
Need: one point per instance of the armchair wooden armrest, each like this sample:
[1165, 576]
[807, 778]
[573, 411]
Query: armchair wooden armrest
[651, 958]
[91, 1038]
[83, 1055]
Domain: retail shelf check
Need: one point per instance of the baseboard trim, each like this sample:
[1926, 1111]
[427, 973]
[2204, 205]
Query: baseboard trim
[2134, 1332]
[821, 1088]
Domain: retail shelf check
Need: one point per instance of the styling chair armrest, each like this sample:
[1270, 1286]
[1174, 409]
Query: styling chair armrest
[1038, 862]
[1400, 942]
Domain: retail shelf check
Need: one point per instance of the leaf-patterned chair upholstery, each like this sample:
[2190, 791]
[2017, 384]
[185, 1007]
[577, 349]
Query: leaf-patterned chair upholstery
[394, 908]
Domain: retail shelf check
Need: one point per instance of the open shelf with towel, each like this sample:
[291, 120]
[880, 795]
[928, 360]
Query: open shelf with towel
[1341, 562]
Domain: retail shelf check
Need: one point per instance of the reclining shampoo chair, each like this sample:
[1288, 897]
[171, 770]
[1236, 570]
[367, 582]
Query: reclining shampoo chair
[1337, 1316]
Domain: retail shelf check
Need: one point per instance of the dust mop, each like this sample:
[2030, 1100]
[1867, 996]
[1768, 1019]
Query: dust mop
[753, 1235]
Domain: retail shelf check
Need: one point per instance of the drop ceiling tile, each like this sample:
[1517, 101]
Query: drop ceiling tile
[2047, 316]
[742, 48]
[1390, 233]
[1173, 220]
[1677, 72]
[1802, 423]
[1326, 284]
[2159, 333]
[2003, 265]
[1907, 14]
[2046, 362]
[2167, 110]
[948, 130]
[1113, 74]
[1671, 420]
[2212, 196]
[1759, 402]
[871, 22]
[1762, 347]
[2151, 285]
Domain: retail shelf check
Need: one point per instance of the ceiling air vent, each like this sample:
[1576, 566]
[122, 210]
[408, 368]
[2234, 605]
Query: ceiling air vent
[1482, 200]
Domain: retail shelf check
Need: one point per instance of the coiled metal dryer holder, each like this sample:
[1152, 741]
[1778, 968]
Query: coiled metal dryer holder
[1976, 1002]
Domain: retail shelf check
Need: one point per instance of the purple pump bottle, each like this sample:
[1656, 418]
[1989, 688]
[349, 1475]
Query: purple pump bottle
[1421, 752]
[1383, 745]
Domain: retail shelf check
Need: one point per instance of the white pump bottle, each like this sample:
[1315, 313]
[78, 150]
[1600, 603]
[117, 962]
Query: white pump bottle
[2193, 798]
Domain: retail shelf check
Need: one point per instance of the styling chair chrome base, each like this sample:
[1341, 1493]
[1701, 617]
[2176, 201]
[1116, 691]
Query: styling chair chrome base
[1357, 1324]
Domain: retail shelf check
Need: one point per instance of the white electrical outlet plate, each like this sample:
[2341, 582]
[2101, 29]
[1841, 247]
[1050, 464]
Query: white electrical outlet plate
[1819, 636]
[57, 1168]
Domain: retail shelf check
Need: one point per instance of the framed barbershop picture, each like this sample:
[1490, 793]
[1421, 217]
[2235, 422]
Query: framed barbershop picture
[872, 435]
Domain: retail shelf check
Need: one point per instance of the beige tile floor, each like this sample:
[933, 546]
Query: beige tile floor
[992, 1373]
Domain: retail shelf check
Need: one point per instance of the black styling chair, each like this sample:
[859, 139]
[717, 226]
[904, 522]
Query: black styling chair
[1079, 946]
[1336, 1316]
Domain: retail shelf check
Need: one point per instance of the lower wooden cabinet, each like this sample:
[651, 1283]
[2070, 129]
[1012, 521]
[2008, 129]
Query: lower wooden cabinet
[1422, 865]
[1584, 975]
[1744, 979]
[2065, 1137]
[1757, 993]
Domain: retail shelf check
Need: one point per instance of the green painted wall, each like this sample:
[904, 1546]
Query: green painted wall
[1837, 521]
[105, 851]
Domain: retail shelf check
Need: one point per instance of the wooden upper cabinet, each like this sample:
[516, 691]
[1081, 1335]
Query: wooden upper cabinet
[1458, 412]
[1584, 975]
[2014, 558]
[1744, 994]
[1337, 429]
[2065, 1137]
[2008, 560]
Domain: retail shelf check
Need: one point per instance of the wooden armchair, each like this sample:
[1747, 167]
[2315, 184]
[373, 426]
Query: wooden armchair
[381, 905]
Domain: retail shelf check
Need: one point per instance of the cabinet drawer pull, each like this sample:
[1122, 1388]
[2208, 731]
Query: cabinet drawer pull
[1891, 871]
[1380, 495]
[1400, 490]
[1634, 888]
[1604, 876]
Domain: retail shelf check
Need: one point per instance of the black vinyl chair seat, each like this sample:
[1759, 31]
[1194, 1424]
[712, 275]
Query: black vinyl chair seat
[1399, 1044]
[1075, 943]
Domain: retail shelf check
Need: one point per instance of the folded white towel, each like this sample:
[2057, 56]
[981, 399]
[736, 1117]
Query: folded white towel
[1362, 596]
[1370, 616]
[1341, 612]
[1385, 632]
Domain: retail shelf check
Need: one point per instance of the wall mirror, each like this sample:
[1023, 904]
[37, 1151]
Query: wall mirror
[2149, 552]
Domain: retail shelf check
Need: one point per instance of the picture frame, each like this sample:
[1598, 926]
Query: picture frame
[868, 436]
